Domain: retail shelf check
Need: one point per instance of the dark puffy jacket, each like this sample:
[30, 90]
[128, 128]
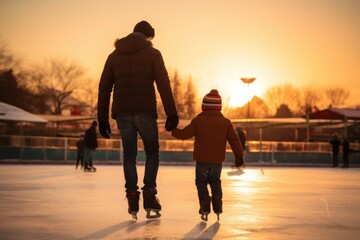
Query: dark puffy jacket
[130, 72]
[90, 138]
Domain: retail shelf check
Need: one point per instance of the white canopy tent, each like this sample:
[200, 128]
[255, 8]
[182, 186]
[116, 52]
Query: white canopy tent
[11, 113]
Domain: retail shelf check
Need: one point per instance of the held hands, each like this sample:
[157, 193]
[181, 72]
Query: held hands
[171, 122]
[239, 161]
[104, 129]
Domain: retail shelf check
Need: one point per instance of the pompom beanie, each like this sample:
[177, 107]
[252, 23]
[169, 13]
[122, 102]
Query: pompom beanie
[211, 101]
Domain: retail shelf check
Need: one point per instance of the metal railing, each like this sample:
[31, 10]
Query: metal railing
[165, 145]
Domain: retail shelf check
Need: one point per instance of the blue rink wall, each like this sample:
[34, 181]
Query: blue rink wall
[59, 155]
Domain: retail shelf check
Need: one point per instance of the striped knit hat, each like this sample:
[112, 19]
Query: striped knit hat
[211, 101]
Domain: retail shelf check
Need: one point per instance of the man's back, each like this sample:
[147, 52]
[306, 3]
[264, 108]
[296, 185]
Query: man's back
[132, 69]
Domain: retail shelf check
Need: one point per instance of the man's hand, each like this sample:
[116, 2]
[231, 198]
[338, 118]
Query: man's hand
[104, 129]
[239, 161]
[171, 122]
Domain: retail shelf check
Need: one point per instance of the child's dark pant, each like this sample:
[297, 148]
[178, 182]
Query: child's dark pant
[208, 173]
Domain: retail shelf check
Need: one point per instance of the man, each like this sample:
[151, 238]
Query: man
[90, 144]
[131, 70]
[345, 150]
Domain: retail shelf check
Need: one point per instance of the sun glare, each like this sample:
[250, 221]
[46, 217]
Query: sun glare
[240, 93]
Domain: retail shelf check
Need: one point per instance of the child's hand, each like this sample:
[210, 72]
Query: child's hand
[239, 161]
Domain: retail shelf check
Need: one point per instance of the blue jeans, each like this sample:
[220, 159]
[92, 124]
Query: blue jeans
[130, 126]
[208, 173]
[88, 154]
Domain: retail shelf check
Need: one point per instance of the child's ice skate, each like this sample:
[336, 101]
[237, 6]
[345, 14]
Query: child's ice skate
[151, 204]
[133, 202]
[217, 205]
[205, 208]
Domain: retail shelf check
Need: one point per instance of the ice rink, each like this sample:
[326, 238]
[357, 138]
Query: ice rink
[59, 202]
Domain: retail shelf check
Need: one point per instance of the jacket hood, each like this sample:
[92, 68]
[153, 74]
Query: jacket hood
[131, 43]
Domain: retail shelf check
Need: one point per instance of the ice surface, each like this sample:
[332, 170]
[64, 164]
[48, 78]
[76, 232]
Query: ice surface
[59, 202]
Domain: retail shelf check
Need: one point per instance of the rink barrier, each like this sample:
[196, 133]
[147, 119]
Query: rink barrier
[62, 149]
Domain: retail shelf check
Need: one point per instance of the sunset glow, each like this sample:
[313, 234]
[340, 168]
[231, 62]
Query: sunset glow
[296, 42]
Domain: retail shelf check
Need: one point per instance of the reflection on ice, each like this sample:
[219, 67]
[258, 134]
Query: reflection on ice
[58, 202]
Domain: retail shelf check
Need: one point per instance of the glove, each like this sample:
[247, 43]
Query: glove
[104, 129]
[171, 122]
[239, 161]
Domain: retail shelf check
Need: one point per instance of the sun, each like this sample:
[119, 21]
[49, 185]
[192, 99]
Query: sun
[240, 93]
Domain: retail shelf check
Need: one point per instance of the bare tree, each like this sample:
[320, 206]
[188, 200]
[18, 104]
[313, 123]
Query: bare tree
[282, 94]
[177, 93]
[86, 96]
[311, 98]
[336, 96]
[7, 59]
[56, 80]
[190, 100]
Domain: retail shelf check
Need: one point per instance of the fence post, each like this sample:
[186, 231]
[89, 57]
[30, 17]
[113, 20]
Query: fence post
[272, 153]
[44, 149]
[260, 145]
[65, 149]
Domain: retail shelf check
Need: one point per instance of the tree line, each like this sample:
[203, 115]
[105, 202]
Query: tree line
[59, 86]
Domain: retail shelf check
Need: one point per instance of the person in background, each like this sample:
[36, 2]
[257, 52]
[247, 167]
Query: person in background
[80, 152]
[335, 143]
[242, 136]
[90, 144]
[212, 131]
[131, 72]
[345, 150]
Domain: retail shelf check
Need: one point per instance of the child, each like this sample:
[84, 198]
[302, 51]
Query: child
[211, 131]
[80, 145]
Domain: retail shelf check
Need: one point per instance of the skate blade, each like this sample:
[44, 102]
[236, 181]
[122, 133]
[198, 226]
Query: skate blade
[156, 212]
[134, 215]
[218, 217]
[204, 216]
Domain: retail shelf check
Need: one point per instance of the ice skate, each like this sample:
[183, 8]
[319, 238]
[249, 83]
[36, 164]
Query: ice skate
[133, 202]
[151, 204]
[217, 206]
[88, 169]
[205, 208]
[91, 166]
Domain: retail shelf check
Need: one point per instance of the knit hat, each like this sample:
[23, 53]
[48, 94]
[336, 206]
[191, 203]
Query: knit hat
[211, 101]
[145, 28]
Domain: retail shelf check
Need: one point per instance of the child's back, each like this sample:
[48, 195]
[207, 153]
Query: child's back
[211, 131]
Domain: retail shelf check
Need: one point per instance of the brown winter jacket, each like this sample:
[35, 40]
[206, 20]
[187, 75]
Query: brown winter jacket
[131, 69]
[211, 131]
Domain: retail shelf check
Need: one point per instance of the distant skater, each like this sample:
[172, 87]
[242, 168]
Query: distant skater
[91, 143]
[335, 143]
[80, 145]
[242, 136]
[345, 150]
[211, 131]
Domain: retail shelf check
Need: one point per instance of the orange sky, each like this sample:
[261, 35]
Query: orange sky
[302, 42]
